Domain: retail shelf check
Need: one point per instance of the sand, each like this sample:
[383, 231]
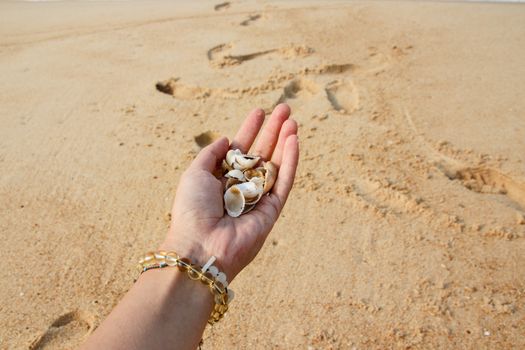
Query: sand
[406, 226]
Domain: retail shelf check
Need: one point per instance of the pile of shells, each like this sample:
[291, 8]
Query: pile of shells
[246, 181]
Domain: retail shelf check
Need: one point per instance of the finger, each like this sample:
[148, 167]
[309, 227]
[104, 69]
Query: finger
[289, 128]
[270, 133]
[209, 156]
[248, 131]
[286, 174]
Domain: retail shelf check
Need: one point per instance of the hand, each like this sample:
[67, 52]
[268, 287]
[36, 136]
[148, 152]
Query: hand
[199, 227]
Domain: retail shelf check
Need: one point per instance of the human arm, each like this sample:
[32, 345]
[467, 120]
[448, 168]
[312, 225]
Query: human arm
[165, 308]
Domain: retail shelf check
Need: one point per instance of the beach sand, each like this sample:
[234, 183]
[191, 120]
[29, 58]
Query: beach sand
[406, 225]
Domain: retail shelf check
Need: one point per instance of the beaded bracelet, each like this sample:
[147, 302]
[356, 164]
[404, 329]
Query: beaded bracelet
[208, 275]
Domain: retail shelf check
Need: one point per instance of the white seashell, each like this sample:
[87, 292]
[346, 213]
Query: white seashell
[245, 184]
[230, 182]
[253, 173]
[226, 167]
[234, 201]
[235, 174]
[270, 176]
[231, 156]
[248, 207]
[251, 192]
[245, 161]
[259, 182]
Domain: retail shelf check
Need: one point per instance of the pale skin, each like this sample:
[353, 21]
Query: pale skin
[164, 308]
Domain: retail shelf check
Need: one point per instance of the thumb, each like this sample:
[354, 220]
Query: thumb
[209, 156]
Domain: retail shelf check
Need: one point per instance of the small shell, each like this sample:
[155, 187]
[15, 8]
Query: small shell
[245, 161]
[251, 192]
[245, 184]
[230, 182]
[252, 173]
[259, 182]
[270, 176]
[226, 167]
[234, 201]
[235, 174]
[248, 207]
[231, 156]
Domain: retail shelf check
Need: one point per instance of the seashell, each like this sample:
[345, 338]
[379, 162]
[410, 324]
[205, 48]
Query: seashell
[251, 192]
[259, 182]
[245, 184]
[248, 207]
[270, 176]
[226, 167]
[236, 160]
[235, 174]
[234, 201]
[231, 156]
[253, 173]
[230, 182]
[245, 161]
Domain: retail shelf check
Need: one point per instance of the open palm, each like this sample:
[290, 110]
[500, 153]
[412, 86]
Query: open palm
[199, 227]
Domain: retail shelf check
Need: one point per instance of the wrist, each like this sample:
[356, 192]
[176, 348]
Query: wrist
[208, 275]
[185, 248]
[198, 252]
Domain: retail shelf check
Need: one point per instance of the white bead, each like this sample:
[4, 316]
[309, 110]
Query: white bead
[213, 270]
[222, 277]
[231, 295]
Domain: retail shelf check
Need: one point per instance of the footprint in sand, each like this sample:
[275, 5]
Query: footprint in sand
[382, 197]
[67, 332]
[204, 139]
[173, 87]
[331, 69]
[216, 50]
[313, 87]
[482, 180]
[250, 20]
[342, 95]
[219, 56]
[489, 181]
[298, 88]
[302, 92]
[222, 6]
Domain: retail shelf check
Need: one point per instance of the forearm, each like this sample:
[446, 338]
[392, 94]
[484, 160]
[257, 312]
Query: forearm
[163, 309]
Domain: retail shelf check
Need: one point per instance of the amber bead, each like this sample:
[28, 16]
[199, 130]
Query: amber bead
[160, 255]
[172, 259]
[207, 278]
[184, 264]
[219, 287]
[149, 256]
[218, 299]
[150, 263]
[194, 272]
